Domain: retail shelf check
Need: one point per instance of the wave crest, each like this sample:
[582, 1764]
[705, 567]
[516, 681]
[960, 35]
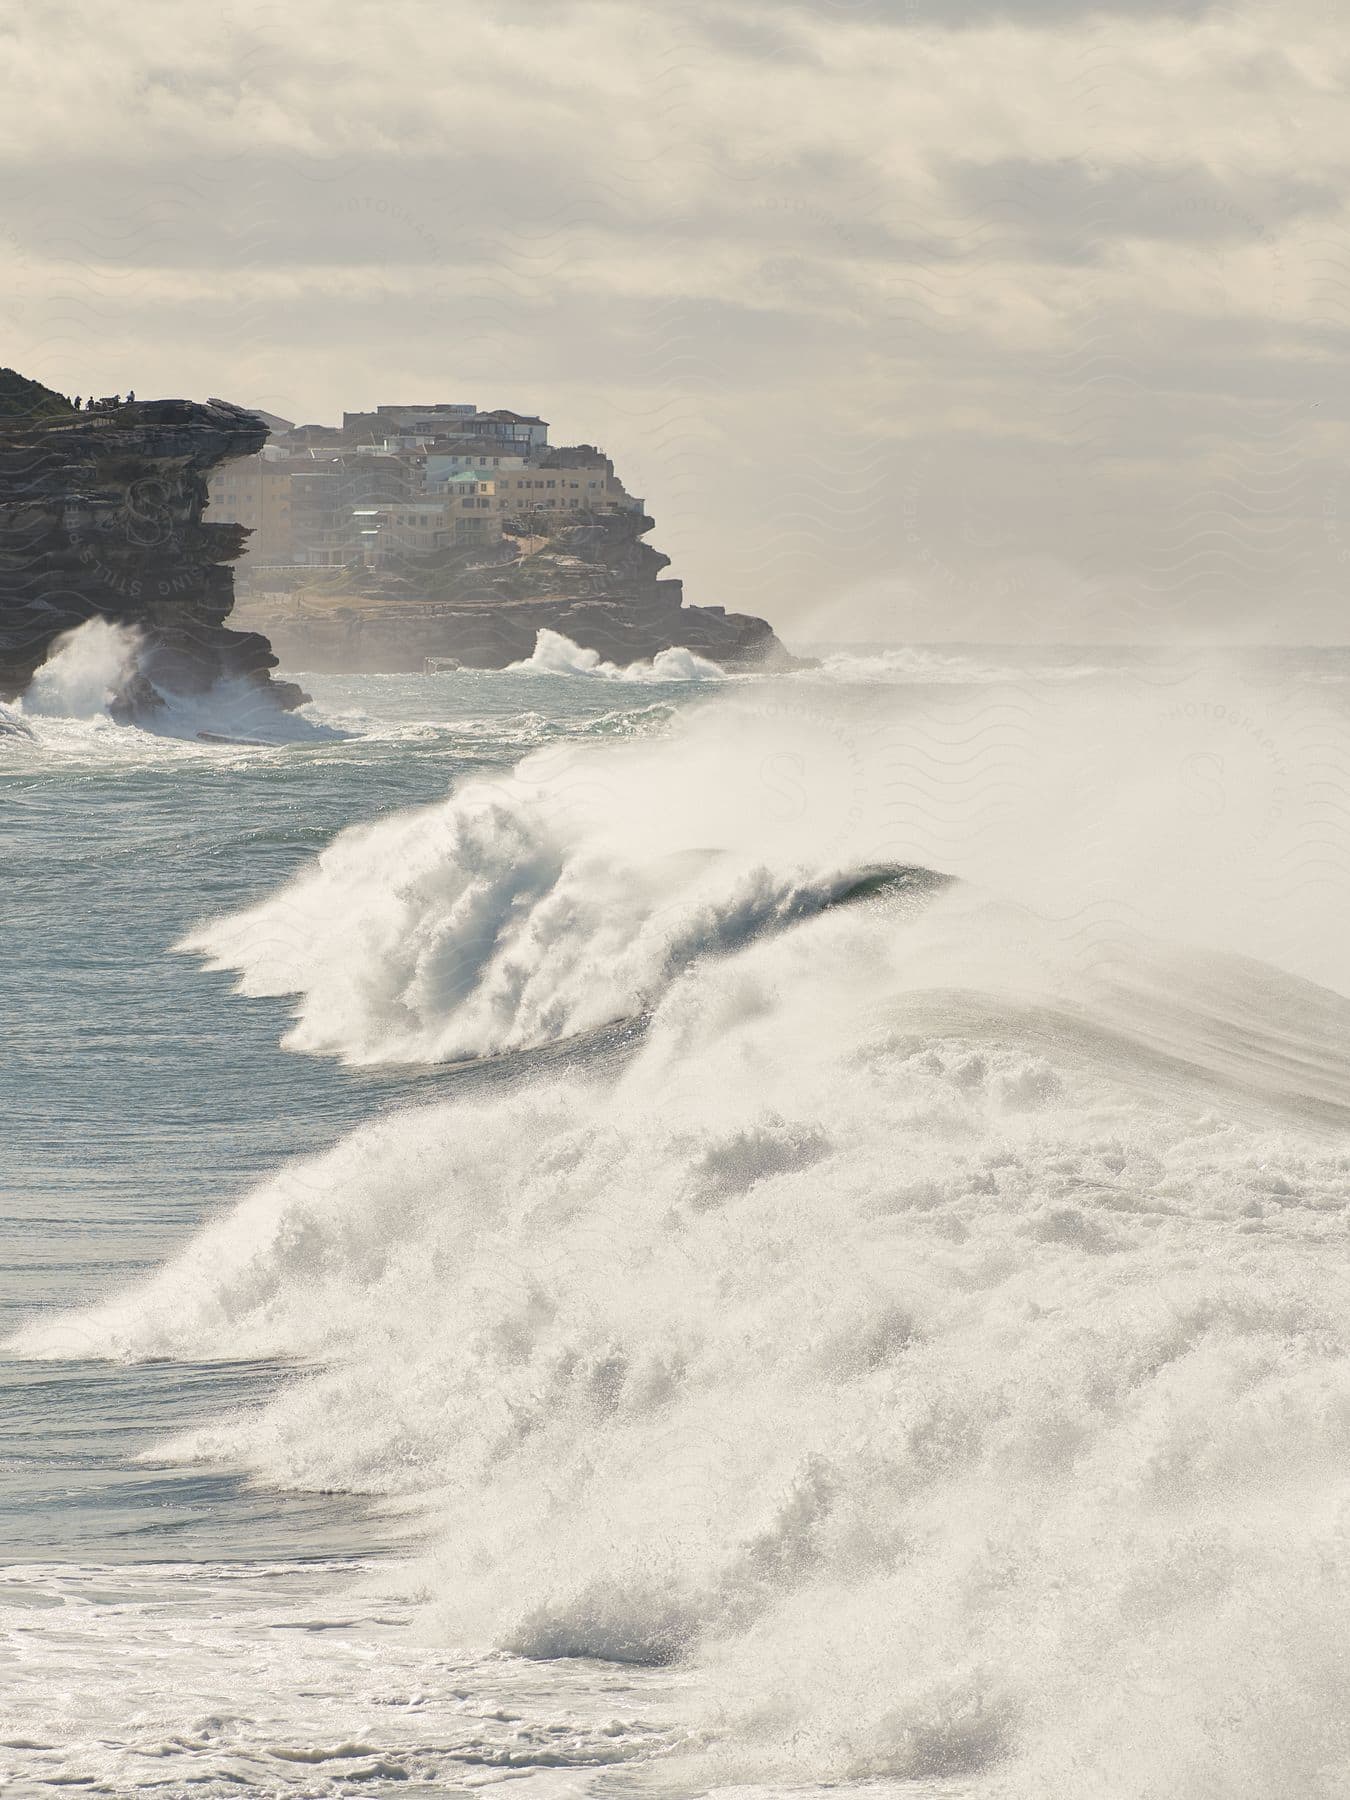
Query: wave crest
[523, 911]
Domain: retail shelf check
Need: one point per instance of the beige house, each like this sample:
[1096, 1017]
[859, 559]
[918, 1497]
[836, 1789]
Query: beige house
[554, 490]
[255, 491]
[517, 486]
[467, 514]
[474, 505]
[369, 502]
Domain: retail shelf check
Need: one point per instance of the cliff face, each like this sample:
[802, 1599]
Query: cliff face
[593, 580]
[101, 517]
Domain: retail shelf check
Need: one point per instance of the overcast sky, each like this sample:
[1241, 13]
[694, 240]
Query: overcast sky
[911, 319]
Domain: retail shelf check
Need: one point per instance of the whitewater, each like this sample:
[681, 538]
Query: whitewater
[633, 1231]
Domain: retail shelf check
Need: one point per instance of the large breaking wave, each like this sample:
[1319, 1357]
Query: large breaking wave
[935, 1330]
[533, 908]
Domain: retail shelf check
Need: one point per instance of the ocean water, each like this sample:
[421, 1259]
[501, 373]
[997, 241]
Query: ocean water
[538, 1246]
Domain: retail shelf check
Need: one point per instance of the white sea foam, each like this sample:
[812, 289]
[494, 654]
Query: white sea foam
[936, 1367]
[554, 654]
[554, 900]
[85, 672]
[74, 693]
[281, 1684]
[937, 1329]
[530, 908]
[236, 712]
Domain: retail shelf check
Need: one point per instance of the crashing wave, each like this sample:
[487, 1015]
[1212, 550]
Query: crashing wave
[530, 909]
[935, 1331]
[934, 1370]
[95, 677]
[555, 654]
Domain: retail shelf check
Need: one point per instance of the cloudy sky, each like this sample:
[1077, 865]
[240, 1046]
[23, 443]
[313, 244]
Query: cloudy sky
[928, 319]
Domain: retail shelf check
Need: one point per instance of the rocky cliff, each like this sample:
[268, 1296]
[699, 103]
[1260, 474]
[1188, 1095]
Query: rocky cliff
[101, 517]
[593, 580]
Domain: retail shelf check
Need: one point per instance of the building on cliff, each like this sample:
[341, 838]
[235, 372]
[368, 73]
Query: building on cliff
[255, 492]
[311, 502]
[467, 514]
[441, 462]
[409, 427]
[442, 530]
[430, 420]
[563, 491]
[511, 428]
[105, 515]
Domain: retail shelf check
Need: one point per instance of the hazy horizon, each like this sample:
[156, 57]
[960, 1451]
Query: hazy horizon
[988, 323]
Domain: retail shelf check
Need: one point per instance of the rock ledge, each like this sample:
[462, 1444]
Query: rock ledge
[101, 517]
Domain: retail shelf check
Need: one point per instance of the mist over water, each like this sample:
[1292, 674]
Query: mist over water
[916, 1325]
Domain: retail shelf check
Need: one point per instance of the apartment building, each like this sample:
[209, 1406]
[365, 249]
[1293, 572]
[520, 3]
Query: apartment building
[488, 459]
[255, 491]
[511, 428]
[473, 506]
[405, 481]
[554, 490]
[446, 421]
[432, 419]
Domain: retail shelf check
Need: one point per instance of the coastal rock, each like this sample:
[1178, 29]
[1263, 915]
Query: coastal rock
[592, 580]
[101, 517]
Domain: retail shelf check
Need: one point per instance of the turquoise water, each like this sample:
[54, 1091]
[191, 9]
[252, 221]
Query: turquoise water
[534, 1291]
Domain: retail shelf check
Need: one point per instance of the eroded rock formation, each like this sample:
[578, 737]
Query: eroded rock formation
[593, 580]
[101, 517]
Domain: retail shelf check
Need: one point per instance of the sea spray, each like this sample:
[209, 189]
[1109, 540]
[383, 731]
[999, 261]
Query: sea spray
[934, 1332]
[87, 670]
[543, 904]
[554, 654]
[95, 678]
[538, 906]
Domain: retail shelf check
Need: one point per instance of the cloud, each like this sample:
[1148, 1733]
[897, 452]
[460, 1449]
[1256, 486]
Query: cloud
[856, 293]
[957, 14]
[1072, 206]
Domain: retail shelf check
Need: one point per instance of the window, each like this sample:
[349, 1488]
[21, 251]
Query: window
[553, 484]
